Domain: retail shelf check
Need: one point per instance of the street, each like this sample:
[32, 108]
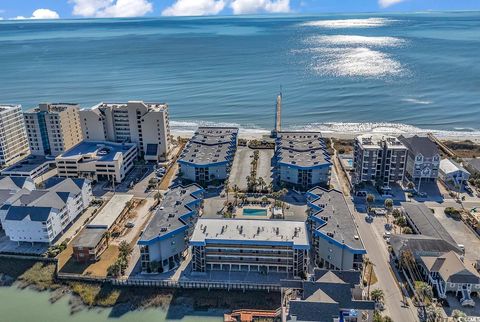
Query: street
[378, 255]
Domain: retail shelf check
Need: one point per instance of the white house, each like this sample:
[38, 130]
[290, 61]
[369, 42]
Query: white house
[42, 215]
[452, 172]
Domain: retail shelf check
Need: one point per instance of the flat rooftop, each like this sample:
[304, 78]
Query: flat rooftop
[107, 216]
[52, 107]
[6, 107]
[28, 164]
[149, 105]
[210, 145]
[250, 231]
[303, 149]
[340, 224]
[89, 237]
[375, 141]
[97, 150]
[425, 222]
[167, 218]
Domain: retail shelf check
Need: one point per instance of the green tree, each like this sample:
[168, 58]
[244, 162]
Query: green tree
[124, 249]
[377, 295]
[389, 206]
[370, 199]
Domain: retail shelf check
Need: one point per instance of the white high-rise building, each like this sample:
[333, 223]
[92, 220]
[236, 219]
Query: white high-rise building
[146, 124]
[13, 137]
[53, 128]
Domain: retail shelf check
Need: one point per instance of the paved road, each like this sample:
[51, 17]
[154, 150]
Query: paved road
[378, 255]
[265, 165]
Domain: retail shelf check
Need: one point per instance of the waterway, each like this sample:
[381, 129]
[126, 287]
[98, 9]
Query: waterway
[17, 305]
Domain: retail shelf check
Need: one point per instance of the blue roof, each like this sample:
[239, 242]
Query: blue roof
[53, 181]
[105, 151]
[36, 213]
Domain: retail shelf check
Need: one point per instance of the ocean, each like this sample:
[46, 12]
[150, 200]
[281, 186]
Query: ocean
[374, 72]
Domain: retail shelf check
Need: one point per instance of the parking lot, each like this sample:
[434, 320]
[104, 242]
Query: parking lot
[241, 166]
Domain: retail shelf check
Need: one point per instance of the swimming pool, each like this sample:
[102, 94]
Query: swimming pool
[254, 212]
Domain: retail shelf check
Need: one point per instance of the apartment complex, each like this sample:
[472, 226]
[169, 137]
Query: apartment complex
[335, 240]
[13, 137]
[53, 128]
[145, 124]
[379, 159]
[302, 159]
[97, 161]
[250, 246]
[42, 215]
[165, 239]
[330, 296]
[209, 154]
[423, 159]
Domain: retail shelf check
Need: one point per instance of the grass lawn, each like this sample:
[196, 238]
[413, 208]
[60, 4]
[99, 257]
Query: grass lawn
[67, 264]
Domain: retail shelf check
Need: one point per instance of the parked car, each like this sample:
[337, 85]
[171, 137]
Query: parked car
[369, 219]
[130, 224]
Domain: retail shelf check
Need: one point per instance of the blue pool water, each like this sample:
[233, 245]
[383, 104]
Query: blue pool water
[254, 212]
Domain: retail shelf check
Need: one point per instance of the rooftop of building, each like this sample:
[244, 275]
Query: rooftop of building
[13, 182]
[451, 268]
[375, 141]
[302, 149]
[335, 219]
[210, 145]
[89, 237]
[421, 244]
[450, 166]
[7, 107]
[53, 107]
[247, 231]
[324, 298]
[54, 196]
[97, 151]
[474, 164]
[148, 105]
[175, 204]
[425, 222]
[420, 145]
[30, 163]
[108, 215]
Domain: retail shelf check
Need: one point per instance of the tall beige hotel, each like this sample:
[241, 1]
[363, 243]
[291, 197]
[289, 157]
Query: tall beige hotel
[142, 123]
[53, 128]
[13, 137]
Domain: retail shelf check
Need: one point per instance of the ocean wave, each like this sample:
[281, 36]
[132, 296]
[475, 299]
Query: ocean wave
[351, 62]
[352, 40]
[417, 101]
[350, 23]
[348, 128]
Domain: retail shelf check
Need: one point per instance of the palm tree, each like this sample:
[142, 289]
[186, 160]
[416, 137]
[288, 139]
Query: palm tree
[261, 183]
[227, 187]
[264, 199]
[107, 235]
[389, 206]
[370, 273]
[377, 295]
[124, 249]
[370, 199]
[410, 185]
[270, 186]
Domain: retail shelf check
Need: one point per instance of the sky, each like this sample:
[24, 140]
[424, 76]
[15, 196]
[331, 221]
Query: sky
[67, 9]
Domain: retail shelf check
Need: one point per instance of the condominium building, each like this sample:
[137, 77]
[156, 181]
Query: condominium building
[302, 159]
[379, 159]
[423, 159]
[53, 128]
[336, 243]
[165, 239]
[13, 137]
[97, 161]
[250, 246]
[42, 215]
[145, 124]
[209, 154]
